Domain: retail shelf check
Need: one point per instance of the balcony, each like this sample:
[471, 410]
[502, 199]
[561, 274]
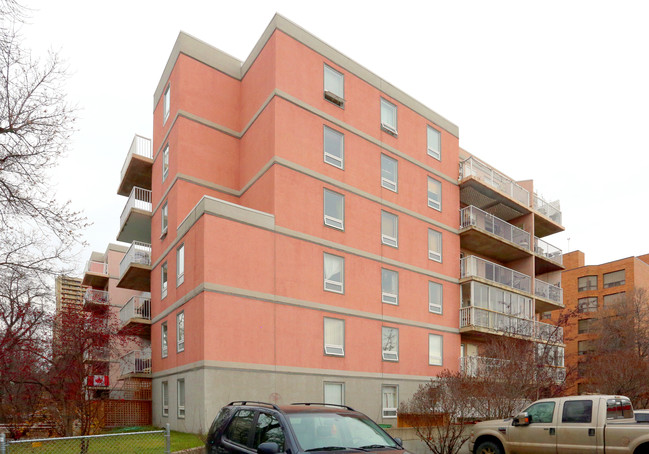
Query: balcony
[135, 267]
[136, 170]
[547, 257]
[550, 220]
[478, 366]
[135, 316]
[95, 300]
[135, 221]
[136, 363]
[96, 274]
[552, 295]
[486, 234]
[487, 321]
[473, 266]
[98, 354]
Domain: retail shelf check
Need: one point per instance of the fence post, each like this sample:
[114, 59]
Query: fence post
[3, 446]
[167, 440]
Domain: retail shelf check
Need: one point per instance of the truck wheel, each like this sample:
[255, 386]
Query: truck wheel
[488, 447]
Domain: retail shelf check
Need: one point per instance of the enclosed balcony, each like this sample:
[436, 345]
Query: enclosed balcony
[550, 220]
[95, 300]
[136, 170]
[95, 274]
[486, 234]
[548, 297]
[136, 363]
[476, 267]
[135, 267]
[135, 221]
[479, 366]
[135, 316]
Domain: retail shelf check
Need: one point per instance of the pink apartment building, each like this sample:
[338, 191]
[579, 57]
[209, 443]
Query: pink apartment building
[295, 220]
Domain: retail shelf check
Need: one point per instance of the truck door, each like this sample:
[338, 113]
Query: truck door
[577, 432]
[539, 436]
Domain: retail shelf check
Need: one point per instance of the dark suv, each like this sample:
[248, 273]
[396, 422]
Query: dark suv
[246, 426]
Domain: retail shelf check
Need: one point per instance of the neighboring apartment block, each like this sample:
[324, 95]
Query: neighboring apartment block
[296, 221]
[589, 289]
[69, 292]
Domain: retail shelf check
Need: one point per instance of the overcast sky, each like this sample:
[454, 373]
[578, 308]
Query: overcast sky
[554, 91]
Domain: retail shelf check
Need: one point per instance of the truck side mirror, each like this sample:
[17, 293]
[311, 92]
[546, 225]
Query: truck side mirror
[522, 419]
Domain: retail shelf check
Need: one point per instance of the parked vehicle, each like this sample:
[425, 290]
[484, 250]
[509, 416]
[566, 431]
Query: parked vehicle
[641, 415]
[578, 424]
[247, 426]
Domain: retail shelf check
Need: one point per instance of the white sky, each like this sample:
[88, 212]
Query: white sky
[555, 91]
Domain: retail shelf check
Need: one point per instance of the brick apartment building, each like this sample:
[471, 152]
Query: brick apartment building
[296, 220]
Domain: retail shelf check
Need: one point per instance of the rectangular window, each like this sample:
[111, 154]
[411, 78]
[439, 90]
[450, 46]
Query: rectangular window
[390, 397]
[435, 297]
[587, 304]
[434, 194]
[587, 283]
[434, 245]
[577, 411]
[390, 343]
[334, 148]
[435, 350]
[163, 280]
[614, 279]
[334, 273]
[434, 143]
[334, 393]
[583, 347]
[163, 341]
[334, 336]
[180, 265]
[584, 325]
[181, 398]
[388, 117]
[166, 103]
[165, 398]
[165, 162]
[334, 209]
[546, 315]
[389, 173]
[389, 286]
[164, 217]
[180, 332]
[334, 86]
[389, 229]
[614, 298]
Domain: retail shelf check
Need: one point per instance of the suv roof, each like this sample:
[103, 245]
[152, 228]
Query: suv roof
[296, 407]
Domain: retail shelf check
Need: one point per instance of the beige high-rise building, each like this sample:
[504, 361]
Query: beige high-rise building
[69, 291]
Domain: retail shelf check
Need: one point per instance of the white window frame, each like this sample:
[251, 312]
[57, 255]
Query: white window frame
[180, 397]
[340, 386]
[386, 411]
[165, 398]
[165, 162]
[434, 142]
[180, 332]
[393, 220]
[389, 355]
[331, 93]
[389, 297]
[328, 156]
[180, 264]
[434, 307]
[331, 285]
[389, 125]
[164, 339]
[166, 103]
[332, 221]
[435, 360]
[432, 203]
[432, 254]
[164, 218]
[164, 280]
[386, 182]
[330, 348]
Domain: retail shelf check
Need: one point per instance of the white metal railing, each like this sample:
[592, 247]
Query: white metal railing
[140, 146]
[549, 209]
[475, 217]
[136, 307]
[481, 171]
[548, 291]
[542, 247]
[140, 199]
[96, 296]
[136, 362]
[93, 266]
[139, 252]
[508, 324]
[475, 266]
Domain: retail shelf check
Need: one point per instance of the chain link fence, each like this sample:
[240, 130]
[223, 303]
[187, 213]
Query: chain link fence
[150, 442]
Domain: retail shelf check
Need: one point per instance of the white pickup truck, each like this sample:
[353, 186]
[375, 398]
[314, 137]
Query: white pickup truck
[565, 425]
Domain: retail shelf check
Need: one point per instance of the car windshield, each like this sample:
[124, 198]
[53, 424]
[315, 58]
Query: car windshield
[337, 432]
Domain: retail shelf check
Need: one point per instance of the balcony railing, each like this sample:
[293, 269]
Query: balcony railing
[97, 354]
[93, 266]
[548, 291]
[509, 325]
[550, 210]
[475, 266]
[96, 297]
[136, 307]
[136, 362]
[138, 253]
[548, 251]
[481, 171]
[474, 216]
[141, 147]
[140, 199]
[479, 366]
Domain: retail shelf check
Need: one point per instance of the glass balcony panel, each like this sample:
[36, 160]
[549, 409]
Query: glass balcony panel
[475, 217]
[548, 291]
[475, 266]
[509, 325]
[548, 251]
[481, 171]
[549, 209]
